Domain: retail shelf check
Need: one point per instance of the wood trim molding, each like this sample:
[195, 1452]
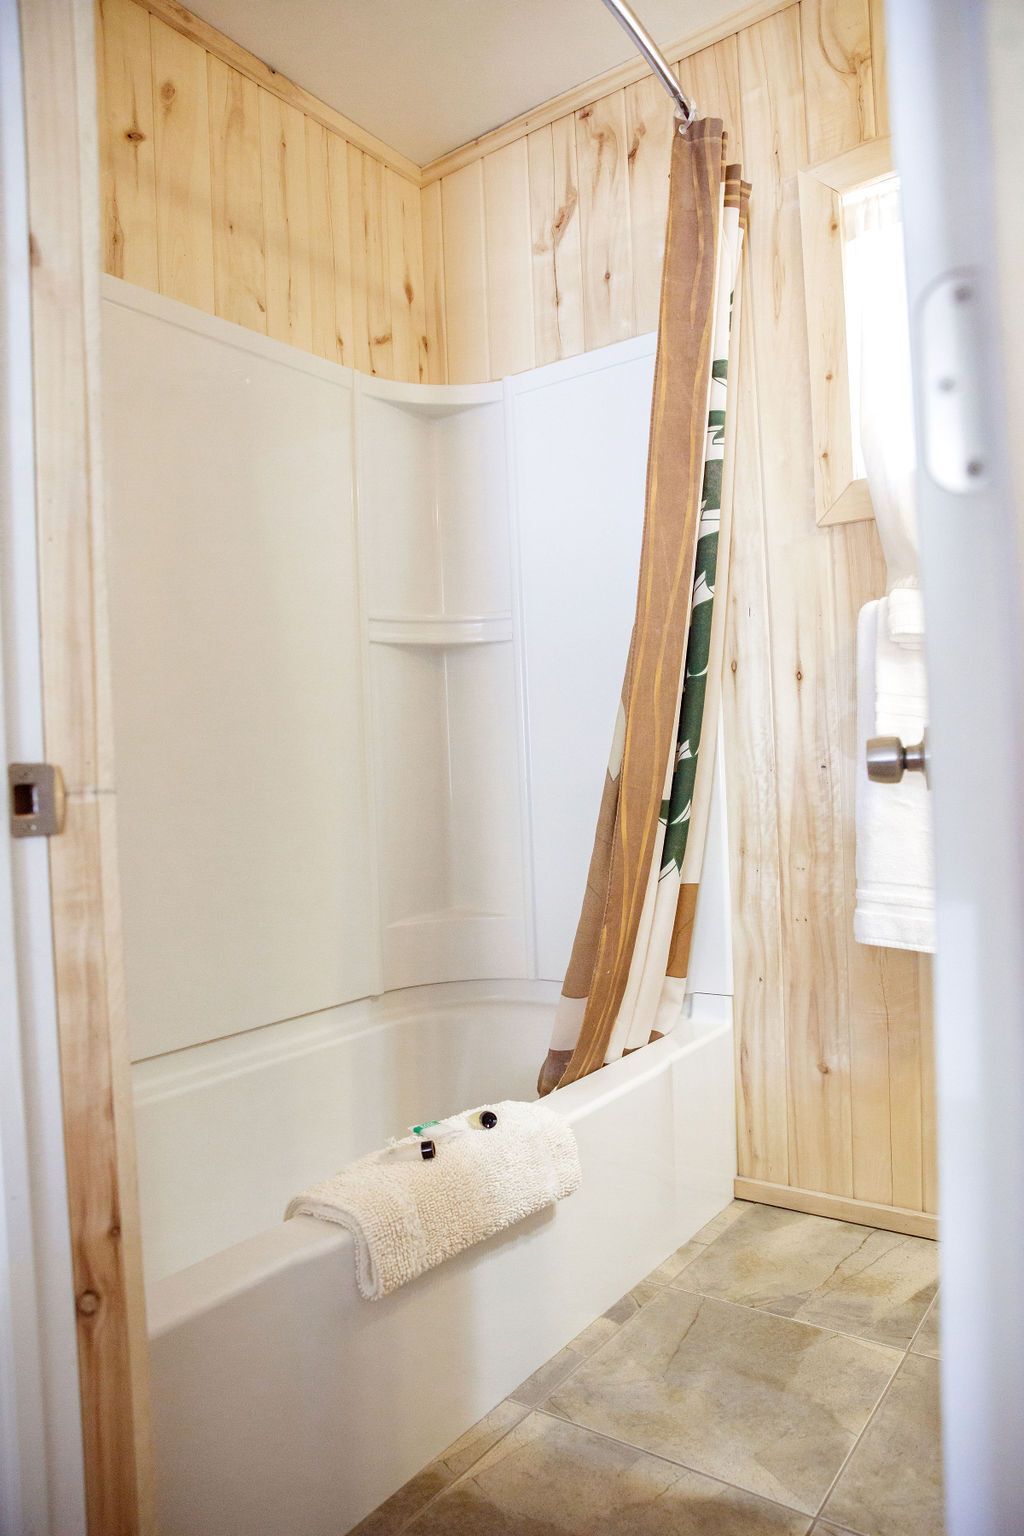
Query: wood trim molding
[839, 497]
[198, 31]
[109, 1305]
[595, 88]
[865, 1213]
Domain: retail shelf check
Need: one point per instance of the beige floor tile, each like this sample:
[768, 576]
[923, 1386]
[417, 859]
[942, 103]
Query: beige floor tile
[927, 1341]
[549, 1478]
[877, 1285]
[713, 1229]
[767, 1404]
[678, 1261]
[536, 1388]
[397, 1511]
[892, 1484]
[629, 1305]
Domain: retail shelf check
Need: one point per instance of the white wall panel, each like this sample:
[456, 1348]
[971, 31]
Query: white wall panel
[265, 876]
[580, 450]
[237, 673]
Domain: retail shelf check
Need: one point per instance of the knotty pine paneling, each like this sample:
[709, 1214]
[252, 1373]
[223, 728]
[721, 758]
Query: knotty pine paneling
[239, 258]
[834, 1060]
[539, 249]
[218, 192]
[555, 246]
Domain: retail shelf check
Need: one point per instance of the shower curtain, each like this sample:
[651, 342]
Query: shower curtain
[627, 974]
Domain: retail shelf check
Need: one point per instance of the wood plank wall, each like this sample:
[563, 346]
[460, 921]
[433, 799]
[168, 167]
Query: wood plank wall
[834, 1039]
[539, 248]
[226, 195]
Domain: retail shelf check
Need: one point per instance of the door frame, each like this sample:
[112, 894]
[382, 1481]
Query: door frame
[41, 1474]
[103, 1306]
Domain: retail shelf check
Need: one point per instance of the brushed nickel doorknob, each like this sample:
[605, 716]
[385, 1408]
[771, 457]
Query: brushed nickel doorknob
[888, 759]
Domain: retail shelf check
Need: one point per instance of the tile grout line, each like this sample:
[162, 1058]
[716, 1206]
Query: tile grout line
[928, 1312]
[466, 1471]
[859, 1338]
[867, 1425]
[683, 1466]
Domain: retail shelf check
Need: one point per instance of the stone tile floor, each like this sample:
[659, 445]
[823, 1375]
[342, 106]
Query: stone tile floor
[779, 1374]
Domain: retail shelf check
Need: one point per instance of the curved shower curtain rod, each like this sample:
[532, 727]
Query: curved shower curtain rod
[686, 110]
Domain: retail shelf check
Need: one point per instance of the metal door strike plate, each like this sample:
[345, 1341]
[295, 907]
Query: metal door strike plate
[37, 799]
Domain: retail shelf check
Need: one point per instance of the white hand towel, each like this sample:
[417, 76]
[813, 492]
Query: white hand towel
[895, 904]
[407, 1216]
[905, 615]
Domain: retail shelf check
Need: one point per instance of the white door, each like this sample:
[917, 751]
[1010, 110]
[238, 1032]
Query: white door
[943, 95]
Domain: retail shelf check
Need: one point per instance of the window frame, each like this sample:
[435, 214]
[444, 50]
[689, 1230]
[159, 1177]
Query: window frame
[839, 495]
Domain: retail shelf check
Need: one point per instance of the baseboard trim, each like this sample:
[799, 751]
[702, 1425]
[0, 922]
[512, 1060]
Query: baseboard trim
[891, 1218]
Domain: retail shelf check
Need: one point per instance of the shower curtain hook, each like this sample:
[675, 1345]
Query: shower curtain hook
[684, 119]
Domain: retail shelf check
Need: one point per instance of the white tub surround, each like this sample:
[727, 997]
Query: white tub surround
[365, 770]
[285, 1402]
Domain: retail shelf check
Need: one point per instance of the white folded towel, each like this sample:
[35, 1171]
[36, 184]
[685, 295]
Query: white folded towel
[407, 1216]
[895, 904]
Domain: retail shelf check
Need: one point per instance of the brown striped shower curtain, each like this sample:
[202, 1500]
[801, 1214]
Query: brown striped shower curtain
[627, 974]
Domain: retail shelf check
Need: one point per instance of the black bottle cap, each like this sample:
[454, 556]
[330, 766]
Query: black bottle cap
[428, 1149]
[488, 1119]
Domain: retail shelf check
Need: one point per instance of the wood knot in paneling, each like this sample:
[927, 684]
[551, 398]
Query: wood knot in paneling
[87, 1303]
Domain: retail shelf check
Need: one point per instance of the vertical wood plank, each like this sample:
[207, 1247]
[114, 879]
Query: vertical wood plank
[285, 221]
[433, 284]
[929, 1112]
[879, 67]
[128, 168]
[378, 292]
[555, 241]
[405, 276]
[799, 581]
[239, 272]
[322, 292]
[836, 42]
[508, 259]
[465, 275]
[341, 247]
[712, 78]
[898, 989]
[650, 125]
[883, 1000]
[184, 211]
[357, 262]
[602, 149]
[762, 1110]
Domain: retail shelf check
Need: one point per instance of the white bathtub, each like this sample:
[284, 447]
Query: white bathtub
[283, 1402]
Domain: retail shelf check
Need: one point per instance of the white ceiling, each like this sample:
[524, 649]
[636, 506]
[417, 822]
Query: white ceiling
[428, 75]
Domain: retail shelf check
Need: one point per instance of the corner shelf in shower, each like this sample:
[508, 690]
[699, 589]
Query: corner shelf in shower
[440, 630]
[443, 678]
[430, 401]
